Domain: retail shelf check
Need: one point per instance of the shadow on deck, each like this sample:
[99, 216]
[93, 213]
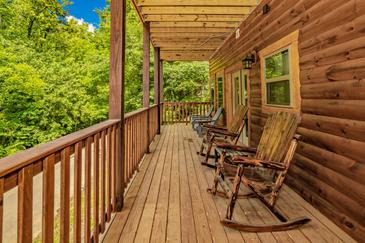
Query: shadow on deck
[168, 202]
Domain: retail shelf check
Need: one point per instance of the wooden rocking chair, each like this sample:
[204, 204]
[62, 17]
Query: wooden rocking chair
[198, 124]
[208, 115]
[230, 134]
[264, 173]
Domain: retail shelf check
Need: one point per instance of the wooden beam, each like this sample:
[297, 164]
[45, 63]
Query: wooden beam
[188, 35]
[188, 40]
[195, 18]
[222, 10]
[188, 48]
[157, 86]
[229, 24]
[161, 82]
[194, 42]
[156, 74]
[201, 56]
[146, 74]
[192, 30]
[116, 98]
[146, 64]
[246, 3]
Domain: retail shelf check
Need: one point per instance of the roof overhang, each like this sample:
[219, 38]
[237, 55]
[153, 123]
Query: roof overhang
[191, 30]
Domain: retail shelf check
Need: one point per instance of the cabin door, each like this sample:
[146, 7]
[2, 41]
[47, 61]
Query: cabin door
[240, 86]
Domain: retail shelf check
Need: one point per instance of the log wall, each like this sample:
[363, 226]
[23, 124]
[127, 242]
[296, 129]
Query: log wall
[329, 167]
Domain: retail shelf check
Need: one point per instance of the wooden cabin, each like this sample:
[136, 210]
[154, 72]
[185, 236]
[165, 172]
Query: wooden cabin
[137, 178]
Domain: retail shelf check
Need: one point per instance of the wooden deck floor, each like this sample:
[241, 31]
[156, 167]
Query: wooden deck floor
[168, 202]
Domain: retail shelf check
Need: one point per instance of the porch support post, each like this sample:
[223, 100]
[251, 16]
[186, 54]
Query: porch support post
[146, 64]
[161, 91]
[161, 82]
[146, 77]
[157, 86]
[116, 93]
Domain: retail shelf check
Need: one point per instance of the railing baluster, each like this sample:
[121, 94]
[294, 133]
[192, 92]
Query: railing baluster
[25, 204]
[77, 192]
[65, 196]
[130, 153]
[103, 175]
[178, 112]
[114, 166]
[96, 187]
[87, 214]
[48, 199]
[109, 177]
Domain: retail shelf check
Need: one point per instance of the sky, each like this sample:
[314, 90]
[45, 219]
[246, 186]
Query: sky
[84, 10]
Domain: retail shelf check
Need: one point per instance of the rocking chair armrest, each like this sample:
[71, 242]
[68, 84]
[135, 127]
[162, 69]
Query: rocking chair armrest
[235, 147]
[203, 121]
[222, 132]
[258, 162]
[209, 126]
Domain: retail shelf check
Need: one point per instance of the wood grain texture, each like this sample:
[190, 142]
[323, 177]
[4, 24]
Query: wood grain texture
[65, 196]
[331, 58]
[77, 191]
[48, 199]
[149, 214]
[25, 204]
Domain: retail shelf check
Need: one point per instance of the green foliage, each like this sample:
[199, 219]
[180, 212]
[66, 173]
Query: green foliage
[54, 73]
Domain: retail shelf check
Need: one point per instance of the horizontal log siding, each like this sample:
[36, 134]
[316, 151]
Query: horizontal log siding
[329, 167]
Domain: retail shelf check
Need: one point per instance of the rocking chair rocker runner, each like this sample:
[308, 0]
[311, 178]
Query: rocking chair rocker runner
[220, 134]
[263, 174]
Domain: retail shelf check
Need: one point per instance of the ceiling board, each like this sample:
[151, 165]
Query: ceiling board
[195, 18]
[247, 3]
[192, 29]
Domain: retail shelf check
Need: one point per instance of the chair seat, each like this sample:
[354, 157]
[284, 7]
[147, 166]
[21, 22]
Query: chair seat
[255, 174]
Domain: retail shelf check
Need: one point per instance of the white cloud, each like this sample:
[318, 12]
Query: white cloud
[91, 27]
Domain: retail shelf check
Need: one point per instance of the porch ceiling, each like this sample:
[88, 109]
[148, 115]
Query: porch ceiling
[191, 30]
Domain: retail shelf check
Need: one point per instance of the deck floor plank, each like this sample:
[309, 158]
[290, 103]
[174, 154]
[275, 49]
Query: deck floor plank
[188, 232]
[159, 227]
[130, 229]
[174, 218]
[145, 224]
[115, 230]
[202, 228]
[168, 202]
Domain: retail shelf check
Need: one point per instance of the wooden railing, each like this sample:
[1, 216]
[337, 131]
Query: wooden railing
[85, 163]
[180, 112]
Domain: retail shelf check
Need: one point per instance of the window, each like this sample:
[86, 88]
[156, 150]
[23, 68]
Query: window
[277, 77]
[220, 91]
[280, 75]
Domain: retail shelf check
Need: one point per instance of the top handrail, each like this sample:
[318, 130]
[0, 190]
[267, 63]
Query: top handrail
[24, 158]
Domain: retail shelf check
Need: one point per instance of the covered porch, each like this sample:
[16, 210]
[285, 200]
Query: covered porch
[137, 177]
[168, 202]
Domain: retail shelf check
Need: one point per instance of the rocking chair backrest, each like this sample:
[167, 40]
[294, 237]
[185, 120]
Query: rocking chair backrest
[238, 121]
[210, 111]
[278, 143]
[216, 116]
[278, 133]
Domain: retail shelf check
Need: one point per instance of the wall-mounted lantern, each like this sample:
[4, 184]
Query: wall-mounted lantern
[266, 9]
[248, 61]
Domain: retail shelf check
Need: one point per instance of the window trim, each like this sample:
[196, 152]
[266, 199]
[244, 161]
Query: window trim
[217, 83]
[289, 42]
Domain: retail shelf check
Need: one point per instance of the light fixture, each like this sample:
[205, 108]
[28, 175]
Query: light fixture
[248, 61]
[266, 9]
